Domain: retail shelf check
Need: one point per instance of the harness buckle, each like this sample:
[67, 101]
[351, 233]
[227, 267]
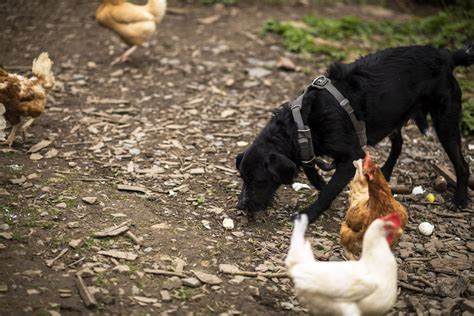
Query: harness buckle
[320, 82]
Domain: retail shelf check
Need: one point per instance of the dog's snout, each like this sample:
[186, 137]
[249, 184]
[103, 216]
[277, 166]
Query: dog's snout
[243, 199]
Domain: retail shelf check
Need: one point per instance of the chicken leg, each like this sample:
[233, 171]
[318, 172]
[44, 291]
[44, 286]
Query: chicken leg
[11, 138]
[124, 57]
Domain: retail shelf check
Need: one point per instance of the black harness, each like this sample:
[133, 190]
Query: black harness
[305, 140]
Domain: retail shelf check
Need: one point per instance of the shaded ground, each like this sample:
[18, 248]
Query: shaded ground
[172, 120]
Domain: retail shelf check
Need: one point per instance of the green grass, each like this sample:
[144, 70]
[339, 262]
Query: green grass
[349, 37]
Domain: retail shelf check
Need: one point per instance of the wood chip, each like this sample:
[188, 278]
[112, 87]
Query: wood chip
[42, 144]
[132, 188]
[164, 272]
[118, 254]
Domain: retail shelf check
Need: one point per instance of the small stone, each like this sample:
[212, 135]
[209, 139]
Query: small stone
[440, 184]
[207, 278]
[191, 282]
[287, 306]
[435, 312]
[228, 269]
[146, 300]
[89, 199]
[238, 234]
[75, 243]
[172, 283]
[165, 296]
[73, 225]
[121, 268]
[468, 305]
[197, 171]
[6, 235]
[61, 205]
[36, 156]
[3, 288]
[258, 72]
[32, 292]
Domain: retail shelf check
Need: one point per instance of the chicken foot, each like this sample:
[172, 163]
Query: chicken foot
[124, 57]
[24, 126]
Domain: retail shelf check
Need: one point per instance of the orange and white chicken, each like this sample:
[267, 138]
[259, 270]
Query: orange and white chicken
[134, 24]
[364, 287]
[370, 197]
[24, 99]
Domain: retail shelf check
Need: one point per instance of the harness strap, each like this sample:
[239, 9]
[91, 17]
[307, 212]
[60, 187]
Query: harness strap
[322, 82]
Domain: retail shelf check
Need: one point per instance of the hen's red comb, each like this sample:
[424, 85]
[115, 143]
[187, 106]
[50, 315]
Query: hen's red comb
[394, 218]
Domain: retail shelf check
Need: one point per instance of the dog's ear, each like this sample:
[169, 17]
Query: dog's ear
[282, 169]
[238, 160]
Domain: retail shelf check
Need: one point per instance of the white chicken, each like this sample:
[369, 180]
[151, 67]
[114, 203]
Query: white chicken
[364, 287]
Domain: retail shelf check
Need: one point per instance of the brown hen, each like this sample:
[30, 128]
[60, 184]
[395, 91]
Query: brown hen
[370, 197]
[24, 99]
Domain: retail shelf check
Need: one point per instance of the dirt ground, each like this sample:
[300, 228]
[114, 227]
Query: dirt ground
[171, 121]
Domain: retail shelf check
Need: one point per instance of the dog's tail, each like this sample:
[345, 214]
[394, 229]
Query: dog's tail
[463, 57]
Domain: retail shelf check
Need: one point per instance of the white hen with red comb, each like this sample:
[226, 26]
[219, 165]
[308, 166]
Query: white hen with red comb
[364, 287]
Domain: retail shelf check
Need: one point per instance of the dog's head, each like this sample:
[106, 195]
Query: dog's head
[262, 172]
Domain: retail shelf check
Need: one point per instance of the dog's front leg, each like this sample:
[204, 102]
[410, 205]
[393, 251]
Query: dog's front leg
[314, 177]
[344, 173]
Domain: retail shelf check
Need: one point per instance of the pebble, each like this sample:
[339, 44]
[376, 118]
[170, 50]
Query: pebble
[89, 199]
[172, 283]
[165, 296]
[75, 243]
[191, 282]
[61, 205]
[73, 225]
[121, 268]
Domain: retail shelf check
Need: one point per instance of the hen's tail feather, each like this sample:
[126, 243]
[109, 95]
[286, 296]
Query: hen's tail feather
[42, 68]
[300, 249]
[157, 8]
[463, 57]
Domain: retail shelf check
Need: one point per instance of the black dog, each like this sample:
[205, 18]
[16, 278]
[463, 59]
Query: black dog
[386, 89]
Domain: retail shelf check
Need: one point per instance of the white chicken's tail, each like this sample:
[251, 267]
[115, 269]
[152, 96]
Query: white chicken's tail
[157, 8]
[300, 249]
[42, 68]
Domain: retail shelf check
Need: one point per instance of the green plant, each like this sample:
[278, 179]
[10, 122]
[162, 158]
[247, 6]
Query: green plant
[467, 122]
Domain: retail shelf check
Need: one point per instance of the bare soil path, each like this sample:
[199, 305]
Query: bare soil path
[171, 121]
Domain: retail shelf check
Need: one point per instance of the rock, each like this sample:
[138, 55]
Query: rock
[228, 268]
[172, 283]
[470, 246]
[18, 181]
[440, 184]
[32, 292]
[258, 72]
[36, 157]
[285, 63]
[165, 296]
[448, 303]
[75, 243]
[89, 199]
[61, 205]
[468, 305]
[191, 282]
[238, 234]
[435, 312]
[6, 235]
[453, 286]
[73, 225]
[196, 171]
[207, 278]
[3, 288]
[121, 268]
[287, 306]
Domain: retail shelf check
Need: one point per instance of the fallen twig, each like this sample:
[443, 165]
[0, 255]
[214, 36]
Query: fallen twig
[410, 287]
[86, 296]
[138, 241]
[254, 274]
[423, 280]
[164, 272]
[50, 262]
[114, 230]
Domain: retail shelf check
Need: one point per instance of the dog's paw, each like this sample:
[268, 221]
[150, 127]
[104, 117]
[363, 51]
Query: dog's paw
[459, 202]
